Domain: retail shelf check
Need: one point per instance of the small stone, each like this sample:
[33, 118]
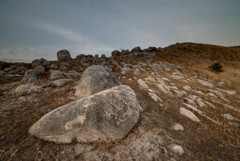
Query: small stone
[189, 114]
[74, 73]
[178, 127]
[187, 88]
[54, 66]
[22, 88]
[55, 74]
[177, 149]
[61, 82]
[221, 84]
[150, 79]
[155, 97]
[142, 83]
[201, 103]
[210, 104]
[206, 83]
[165, 89]
[229, 117]
[137, 72]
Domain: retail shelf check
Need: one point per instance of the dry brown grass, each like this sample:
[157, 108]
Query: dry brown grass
[198, 57]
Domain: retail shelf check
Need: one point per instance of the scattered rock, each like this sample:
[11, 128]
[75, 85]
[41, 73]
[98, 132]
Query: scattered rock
[39, 69]
[210, 104]
[95, 79]
[136, 49]
[177, 149]
[229, 117]
[205, 83]
[216, 92]
[137, 72]
[97, 60]
[125, 70]
[64, 56]
[178, 127]
[30, 76]
[166, 66]
[125, 52]
[201, 103]
[231, 92]
[84, 61]
[150, 49]
[91, 118]
[187, 88]
[155, 97]
[54, 66]
[157, 68]
[74, 73]
[165, 89]
[27, 88]
[61, 82]
[142, 83]
[150, 79]
[55, 74]
[189, 114]
[221, 84]
[21, 69]
[41, 61]
[181, 69]
[116, 53]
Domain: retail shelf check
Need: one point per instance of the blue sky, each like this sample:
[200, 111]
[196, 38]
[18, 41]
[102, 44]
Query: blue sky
[32, 29]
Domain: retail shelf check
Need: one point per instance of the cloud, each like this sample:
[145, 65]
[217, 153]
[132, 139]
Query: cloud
[74, 40]
[17, 54]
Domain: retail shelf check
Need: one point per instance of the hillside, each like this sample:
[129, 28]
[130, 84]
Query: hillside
[187, 111]
[198, 57]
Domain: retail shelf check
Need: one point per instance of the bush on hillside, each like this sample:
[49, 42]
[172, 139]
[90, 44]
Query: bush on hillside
[216, 67]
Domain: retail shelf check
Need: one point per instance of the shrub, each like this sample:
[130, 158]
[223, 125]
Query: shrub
[216, 67]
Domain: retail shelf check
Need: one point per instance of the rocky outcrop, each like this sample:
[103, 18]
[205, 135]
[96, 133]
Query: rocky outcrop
[30, 76]
[115, 53]
[136, 49]
[4, 65]
[109, 114]
[95, 79]
[64, 56]
[41, 61]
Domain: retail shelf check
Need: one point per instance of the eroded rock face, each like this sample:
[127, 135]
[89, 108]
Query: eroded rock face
[109, 114]
[64, 56]
[94, 79]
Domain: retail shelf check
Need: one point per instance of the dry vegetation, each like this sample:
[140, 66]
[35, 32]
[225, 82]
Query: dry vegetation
[198, 57]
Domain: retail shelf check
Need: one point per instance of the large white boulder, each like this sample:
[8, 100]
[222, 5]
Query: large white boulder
[109, 114]
[94, 79]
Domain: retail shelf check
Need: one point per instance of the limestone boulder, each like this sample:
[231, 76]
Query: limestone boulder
[108, 115]
[30, 76]
[64, 56]
[94, 79]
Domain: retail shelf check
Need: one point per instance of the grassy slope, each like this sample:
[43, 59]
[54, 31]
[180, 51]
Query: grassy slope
[198, 57]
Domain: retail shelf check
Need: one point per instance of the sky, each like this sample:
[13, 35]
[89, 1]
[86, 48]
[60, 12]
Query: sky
[33, 29]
